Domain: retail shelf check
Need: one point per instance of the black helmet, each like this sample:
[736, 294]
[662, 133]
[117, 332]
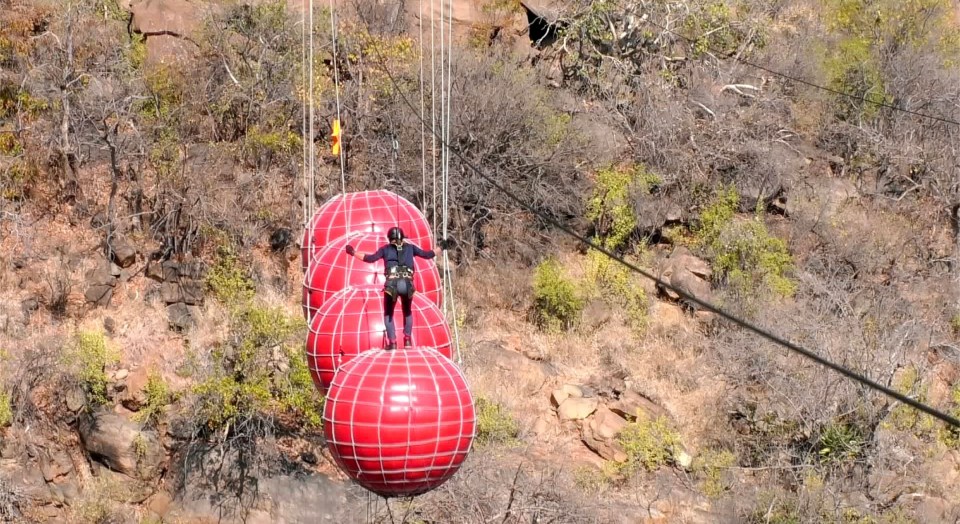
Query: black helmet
[395, 234]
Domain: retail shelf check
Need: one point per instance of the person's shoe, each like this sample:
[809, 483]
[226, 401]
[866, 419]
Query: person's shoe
[407, 342]
[392, 345]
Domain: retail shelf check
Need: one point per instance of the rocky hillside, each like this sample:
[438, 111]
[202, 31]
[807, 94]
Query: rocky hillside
[152, 195]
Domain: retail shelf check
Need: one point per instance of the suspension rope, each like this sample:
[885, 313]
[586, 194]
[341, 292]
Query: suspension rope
[336, 86]
[307, 216]
[433, 111]
[423, 124]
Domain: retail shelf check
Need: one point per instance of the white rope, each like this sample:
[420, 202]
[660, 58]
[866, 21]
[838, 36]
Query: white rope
[336, 83]
[433, 111]
[423, 124]
[312, 123]
[307, 217]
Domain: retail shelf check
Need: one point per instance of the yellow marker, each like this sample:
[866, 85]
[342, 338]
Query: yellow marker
[336, 138]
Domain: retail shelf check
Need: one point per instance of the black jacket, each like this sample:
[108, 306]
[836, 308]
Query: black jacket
[393, 258]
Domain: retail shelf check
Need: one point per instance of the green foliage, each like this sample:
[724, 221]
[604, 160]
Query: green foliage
[229, 280]
[260, 371]
[648, 443]
[557, 302]
[264, 146]
[494, 424]
[620, 287]
[840, 442]
[157, 395]
[870, 33]
[15, 100]
[744, 253]
[949, 435]
[716, 217]
[712, 466]
[6, 410]
[111, 10]
[716, 30]
[136, 52]
[609, 205]
[88, 357]
[9, 144]
[903, 417]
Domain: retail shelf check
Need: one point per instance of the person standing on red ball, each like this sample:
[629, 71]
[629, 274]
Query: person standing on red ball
[399, 267]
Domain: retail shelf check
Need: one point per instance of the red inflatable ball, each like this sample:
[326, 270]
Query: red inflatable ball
[352, 322]
[399, 422]
[370, 211]
[333, 270]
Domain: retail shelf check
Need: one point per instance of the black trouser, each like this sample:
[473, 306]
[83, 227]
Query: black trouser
[389, 303]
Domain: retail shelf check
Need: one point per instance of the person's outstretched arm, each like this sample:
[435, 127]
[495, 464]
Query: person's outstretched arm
[370, 257]
[422, 253]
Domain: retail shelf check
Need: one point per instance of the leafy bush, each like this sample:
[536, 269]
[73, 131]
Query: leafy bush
[712, 466]
[157, 397]
[88, 358]
[904, 417]
[870, 35]
[744, 253]
[6, 410]
[494, 424]
[609, 207]
[229, 280]
[260, 372]
[648, 443]
[557, 302]
[840, 442]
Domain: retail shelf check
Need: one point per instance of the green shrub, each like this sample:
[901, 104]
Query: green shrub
[840, 442]
[88, 357]
[867, 30]
[903, 417]
[744, 253]
[950, 435]
[229, 280]
[6, 410]
[259, 372]
[609, 207]
[494, 424]
[557, 302]
[648, 443]
[712, 467]
[157, 395]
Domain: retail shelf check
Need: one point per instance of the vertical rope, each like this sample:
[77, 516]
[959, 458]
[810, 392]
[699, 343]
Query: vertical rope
[336, 84]
[303, 118]
[433, 110]
[311, 121]
[423, 124]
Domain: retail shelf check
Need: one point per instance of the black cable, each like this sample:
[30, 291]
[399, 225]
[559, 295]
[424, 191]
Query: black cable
[709, 307]
[808, 83]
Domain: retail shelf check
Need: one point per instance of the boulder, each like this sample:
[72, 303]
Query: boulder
[600, 434]
[124, 254]
[121, 445]
[180, 316]
[564, 392]
[631, 402]
[577, 408]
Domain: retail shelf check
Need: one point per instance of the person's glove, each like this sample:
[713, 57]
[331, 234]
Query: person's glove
[350, 250]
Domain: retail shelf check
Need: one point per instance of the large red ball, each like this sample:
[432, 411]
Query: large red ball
[332, 269]
[352, 322]
[399, 422]
[370, 211]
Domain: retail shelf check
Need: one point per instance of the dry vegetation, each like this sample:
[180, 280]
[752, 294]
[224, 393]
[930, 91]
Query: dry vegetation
[829, 219]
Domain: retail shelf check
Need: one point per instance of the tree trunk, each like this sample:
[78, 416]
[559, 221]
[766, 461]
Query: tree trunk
[70, 190]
